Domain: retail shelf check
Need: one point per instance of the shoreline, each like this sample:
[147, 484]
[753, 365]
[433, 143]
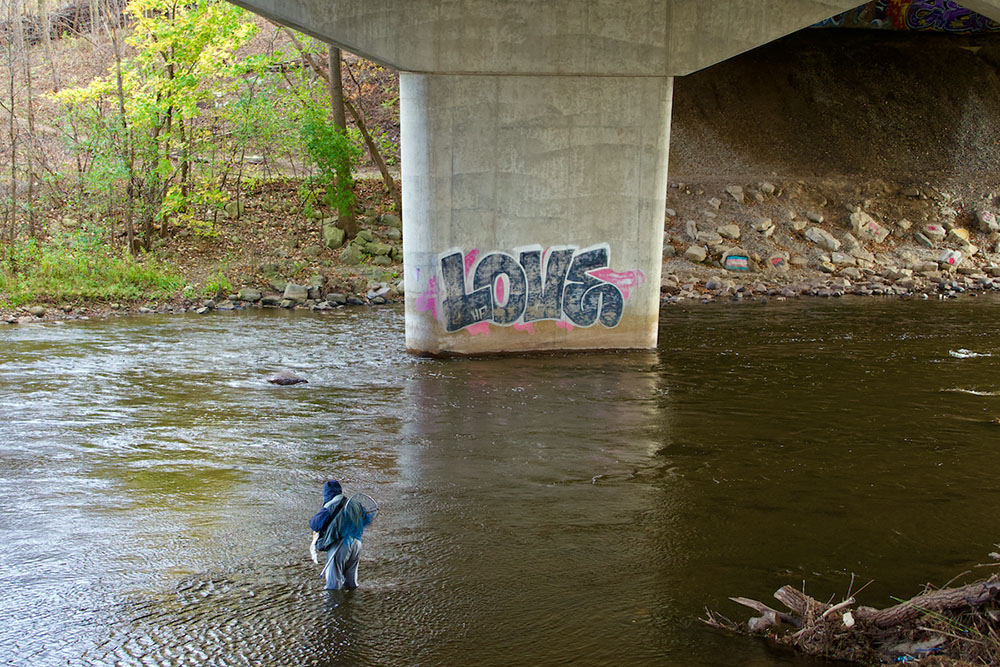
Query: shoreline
[676, 290]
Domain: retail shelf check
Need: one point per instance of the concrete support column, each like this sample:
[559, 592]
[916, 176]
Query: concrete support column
[533, 211]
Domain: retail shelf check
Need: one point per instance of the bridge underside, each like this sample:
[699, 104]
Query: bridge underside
[534, 152]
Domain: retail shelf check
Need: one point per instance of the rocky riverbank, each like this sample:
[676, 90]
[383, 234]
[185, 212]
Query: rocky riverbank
[829, 239]
[316, 296]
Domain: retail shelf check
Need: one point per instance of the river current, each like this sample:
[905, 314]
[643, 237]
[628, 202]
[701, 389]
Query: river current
[549, 510]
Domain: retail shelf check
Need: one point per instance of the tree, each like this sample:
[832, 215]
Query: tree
[182, 59]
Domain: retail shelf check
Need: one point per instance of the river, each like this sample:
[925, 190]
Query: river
[548, 510]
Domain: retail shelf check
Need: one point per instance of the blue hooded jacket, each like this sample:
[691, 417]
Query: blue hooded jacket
[331, 490]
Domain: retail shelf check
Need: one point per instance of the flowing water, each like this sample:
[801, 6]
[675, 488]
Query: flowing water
[544, 510]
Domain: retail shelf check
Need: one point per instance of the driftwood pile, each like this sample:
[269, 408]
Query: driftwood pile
[948, 626]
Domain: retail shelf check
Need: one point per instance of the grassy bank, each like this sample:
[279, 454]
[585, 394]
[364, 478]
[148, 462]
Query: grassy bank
[79, 268]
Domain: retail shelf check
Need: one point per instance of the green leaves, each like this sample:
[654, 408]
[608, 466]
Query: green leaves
[334, 153]
[167, 114]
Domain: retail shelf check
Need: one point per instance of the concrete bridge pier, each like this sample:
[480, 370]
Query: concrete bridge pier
[533, 210]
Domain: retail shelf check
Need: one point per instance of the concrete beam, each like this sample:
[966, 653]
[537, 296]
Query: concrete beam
[561, 37]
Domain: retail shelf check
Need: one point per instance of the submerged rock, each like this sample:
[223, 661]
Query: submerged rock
[287, 378]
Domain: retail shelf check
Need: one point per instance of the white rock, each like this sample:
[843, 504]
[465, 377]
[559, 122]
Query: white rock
[934, 232]
[731, 232]
[950, 259]
[709, 238]
[691, 229]
[866, 228]
[695, 253]
[987, 221]
[822, 238]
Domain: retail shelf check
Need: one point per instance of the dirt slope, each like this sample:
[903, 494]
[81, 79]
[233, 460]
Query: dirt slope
[824, 103]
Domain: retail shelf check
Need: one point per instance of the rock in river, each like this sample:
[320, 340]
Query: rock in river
[286, 378]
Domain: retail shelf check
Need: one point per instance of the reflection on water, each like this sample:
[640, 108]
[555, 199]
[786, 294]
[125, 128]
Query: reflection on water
[548, 509]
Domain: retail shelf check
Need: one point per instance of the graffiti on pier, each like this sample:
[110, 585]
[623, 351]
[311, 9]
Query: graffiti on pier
[573, 287]
[923, 15]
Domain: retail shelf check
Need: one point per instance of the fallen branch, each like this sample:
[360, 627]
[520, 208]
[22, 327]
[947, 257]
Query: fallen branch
[960, 623]
[769, 618]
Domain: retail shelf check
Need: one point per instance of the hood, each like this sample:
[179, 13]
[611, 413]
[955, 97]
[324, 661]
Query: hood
[331, 490]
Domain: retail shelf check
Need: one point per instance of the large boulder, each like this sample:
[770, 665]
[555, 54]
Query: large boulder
[391, 220]
[333, 236]
[294, 292]
[377, 248]
[351, 255]
[736, 259]
[691, 229]
[777, 262]
[935, 232]
[249, 294]
[731, 232]
[843, 259]
[950, 259]
[987, 222]
[709, 238]
[866, 228]
[696, 254]
[823, 239]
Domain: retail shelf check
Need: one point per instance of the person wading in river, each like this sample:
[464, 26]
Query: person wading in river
[337, 529]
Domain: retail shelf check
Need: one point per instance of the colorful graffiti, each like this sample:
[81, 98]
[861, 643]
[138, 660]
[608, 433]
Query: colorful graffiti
[571, 286]
[922, 15]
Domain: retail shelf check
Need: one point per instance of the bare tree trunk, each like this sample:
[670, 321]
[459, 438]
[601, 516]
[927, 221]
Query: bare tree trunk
[29, 154]
[14, 15]
[129, 146]
[336, 84]
[12, 136]
[45, 20]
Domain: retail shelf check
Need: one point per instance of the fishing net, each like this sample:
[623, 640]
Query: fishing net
[359, 512]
